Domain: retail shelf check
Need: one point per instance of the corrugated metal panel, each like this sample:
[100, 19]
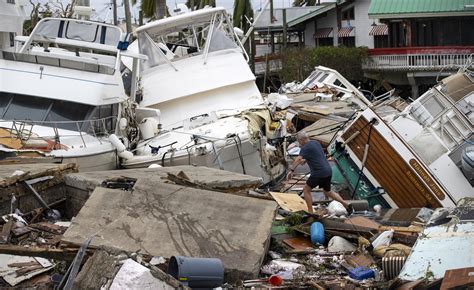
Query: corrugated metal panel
[394, 7]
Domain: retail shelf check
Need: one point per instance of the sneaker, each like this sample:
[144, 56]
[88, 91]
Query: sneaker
[350, 209]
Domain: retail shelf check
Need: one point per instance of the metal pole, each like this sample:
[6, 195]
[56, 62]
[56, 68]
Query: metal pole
[128, 16]
[114, 10]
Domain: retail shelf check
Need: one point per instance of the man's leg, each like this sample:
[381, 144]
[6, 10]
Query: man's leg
[335, 196]
[308, 197]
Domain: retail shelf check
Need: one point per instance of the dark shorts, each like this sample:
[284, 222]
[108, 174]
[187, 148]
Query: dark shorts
[322, 182]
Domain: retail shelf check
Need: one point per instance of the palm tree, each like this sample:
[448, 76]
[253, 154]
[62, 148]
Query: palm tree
[242, 11]
[155, 9]
[199, 4]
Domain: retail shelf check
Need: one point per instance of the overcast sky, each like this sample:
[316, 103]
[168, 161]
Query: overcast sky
[103, 10]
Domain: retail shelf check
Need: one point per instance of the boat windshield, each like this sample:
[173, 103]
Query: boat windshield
[57, 113]
[78, 30]
[184, 39]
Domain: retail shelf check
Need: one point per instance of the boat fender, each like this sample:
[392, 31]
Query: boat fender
[121, 150]
[117, 143]
[123, 123]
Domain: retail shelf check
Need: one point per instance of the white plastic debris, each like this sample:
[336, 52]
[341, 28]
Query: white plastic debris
[274, 255]
[17, 172]
[135, 276]
[338, 244]
[324, 97]
[286, 269]
[335, 208]
[157, 260]
[385, 239]
[281, 101]
[377, 208]
[154, 165]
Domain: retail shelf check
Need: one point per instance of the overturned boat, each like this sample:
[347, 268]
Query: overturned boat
[198, 101]
[61, 95]
[412, 155]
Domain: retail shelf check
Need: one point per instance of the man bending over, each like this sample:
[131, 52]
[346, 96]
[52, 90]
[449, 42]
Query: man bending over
[321, 173]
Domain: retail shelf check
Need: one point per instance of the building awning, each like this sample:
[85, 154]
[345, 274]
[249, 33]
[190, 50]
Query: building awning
[323, 33]
[378, 30]
[345, 32]
[390, 9]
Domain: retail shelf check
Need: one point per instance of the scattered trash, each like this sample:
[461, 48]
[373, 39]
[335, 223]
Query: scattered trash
[337, 244]
[384, 239]
[336, 208]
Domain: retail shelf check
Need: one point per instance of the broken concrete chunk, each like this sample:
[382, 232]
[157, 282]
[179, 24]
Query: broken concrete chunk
[165, 220]
[132, 275]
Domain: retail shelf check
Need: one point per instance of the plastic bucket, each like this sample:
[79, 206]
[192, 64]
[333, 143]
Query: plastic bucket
[317, 233]
[197, 272]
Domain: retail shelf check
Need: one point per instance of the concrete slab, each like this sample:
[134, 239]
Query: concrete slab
[212, 178]
[162, 219]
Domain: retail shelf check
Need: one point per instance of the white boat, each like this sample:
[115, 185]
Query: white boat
[413, 155]
[61, 95]
[198, 78]
[12, 15]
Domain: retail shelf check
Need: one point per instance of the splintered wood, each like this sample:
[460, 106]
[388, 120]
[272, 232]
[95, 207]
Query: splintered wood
[289, 201]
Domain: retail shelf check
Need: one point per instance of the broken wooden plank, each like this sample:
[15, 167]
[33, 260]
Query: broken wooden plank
[65, 254]
[298, 243]
[360, 221]
[289, 201]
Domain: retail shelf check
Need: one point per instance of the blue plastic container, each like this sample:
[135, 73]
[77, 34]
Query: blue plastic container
[361, 273]
[317, 233]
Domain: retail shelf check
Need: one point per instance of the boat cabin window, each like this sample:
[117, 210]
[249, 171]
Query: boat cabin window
[58, 113]
[188, 39]
[77, 30]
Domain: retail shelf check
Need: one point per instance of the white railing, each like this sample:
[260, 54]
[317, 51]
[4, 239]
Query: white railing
[274, 65]
[23, 129]
[416, 62]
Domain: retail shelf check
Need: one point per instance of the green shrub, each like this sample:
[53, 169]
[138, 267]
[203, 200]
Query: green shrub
[298, 63]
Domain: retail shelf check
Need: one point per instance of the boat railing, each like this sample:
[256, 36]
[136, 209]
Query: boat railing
[97, 128]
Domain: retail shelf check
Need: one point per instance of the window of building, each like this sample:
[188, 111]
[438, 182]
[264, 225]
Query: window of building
[12, 39]
[347, 41]
[326, 41]
[380, 41]
[348, 14]
[11, 1]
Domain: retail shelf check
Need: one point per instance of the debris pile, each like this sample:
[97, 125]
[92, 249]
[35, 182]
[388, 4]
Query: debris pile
[189, 227]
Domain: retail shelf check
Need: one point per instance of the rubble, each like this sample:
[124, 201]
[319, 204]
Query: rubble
[136, 220]
[159, 218]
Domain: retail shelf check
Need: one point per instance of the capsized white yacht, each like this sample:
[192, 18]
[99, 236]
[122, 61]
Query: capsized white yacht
[413, 155]
[61, 95]
[210, 110]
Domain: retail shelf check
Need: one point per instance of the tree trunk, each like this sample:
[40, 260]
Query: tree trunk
[160, 9]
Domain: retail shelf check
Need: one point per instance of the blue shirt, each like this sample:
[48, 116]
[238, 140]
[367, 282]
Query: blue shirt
[314, 155]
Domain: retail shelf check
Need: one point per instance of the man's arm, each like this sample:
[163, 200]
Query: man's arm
[299, 160]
